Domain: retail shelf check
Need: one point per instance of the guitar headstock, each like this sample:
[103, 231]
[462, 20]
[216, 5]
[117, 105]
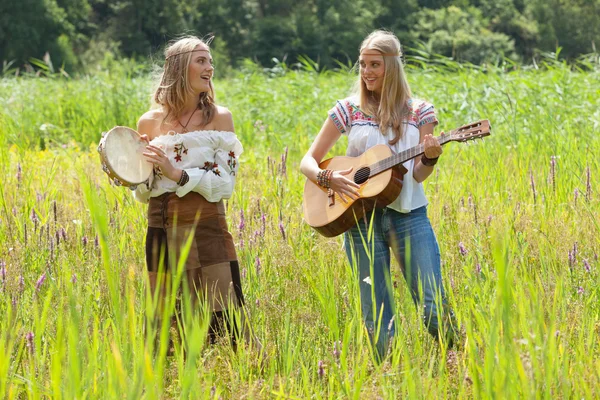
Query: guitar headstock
[476, 130]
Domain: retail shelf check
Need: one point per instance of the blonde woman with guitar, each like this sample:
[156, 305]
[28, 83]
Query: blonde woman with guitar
[382, 112]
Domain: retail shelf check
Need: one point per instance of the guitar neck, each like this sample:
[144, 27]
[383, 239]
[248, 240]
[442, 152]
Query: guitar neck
[403, 156]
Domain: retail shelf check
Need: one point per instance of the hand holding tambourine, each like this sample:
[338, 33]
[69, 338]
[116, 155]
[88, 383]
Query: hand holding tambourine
[121, 152]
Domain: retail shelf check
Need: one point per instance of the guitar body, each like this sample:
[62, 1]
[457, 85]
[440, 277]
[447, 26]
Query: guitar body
[331, 216]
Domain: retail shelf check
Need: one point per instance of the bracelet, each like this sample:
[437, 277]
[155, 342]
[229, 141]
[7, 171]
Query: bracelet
[430, 162]
[324, 178]
[184, 178]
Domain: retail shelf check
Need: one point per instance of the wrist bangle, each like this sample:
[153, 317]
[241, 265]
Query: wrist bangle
[324, 178]
[430, 162]
[184, 178]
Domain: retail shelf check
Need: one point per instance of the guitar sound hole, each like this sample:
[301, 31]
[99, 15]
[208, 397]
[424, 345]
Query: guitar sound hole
[362, 175]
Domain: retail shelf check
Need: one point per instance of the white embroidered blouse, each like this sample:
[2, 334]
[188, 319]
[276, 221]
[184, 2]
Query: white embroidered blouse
[363, 133]
[210, 158]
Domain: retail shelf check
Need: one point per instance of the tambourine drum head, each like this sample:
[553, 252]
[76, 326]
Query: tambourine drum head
[123, 151]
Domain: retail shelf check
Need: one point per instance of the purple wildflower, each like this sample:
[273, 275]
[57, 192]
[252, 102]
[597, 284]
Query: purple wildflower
[14, 211]
[30, 345]
[282, 228]
[21, 283]
[63, 234]
[478, 268]
[580, 290]
[40, 282]
[571, 259]
[74, 279]
[321, 370]
[575, 195]
[19, 173]
[263, 224]
[257, 302]
[533, 186]
[337, 349]
[587, 266]
[242, 224]
[35, 219]
[38, 196]
[84, 241]
[241, 244]
[257, 265]
[244, 271]
[462, 249]
[96, 242]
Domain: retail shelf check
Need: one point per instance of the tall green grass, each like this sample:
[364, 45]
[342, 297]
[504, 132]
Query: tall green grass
[516, 218]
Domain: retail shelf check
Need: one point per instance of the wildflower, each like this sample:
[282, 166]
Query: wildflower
[63, 234]
[580, 290]
[21, 284]
[478, 268]
[19, 173]
[40, 282]
[571, 259]
[242, 224]
[243, 273]
[337, 349]
[29, 339]
[241, 244]
[257, 265]
[96, 242]
[587, 266]
[575, 195]
[533, 186]
[462, 249]
[321, 371]
[263, 224]
[84, 241]
[34, 218]
[74, 279]
[282, 228]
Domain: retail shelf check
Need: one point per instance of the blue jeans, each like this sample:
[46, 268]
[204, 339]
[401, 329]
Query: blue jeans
[415, 247]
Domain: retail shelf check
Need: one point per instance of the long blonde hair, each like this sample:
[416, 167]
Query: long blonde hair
[174, 85]
[392, 107]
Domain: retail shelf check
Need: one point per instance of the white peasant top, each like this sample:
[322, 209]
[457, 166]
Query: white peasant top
[209, 157]
[363, 133]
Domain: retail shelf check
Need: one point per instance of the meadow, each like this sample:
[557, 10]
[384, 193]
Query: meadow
[517, 218]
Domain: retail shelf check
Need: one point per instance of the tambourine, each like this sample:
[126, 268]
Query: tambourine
[121, 151]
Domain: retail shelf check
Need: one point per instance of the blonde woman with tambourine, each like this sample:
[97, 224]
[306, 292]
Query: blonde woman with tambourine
[194, 150]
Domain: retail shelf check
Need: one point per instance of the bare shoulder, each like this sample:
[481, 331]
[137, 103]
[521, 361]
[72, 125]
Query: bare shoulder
[223, 120]
[149, 123]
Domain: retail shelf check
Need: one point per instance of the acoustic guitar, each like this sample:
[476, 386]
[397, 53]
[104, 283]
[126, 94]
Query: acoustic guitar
[379, 173]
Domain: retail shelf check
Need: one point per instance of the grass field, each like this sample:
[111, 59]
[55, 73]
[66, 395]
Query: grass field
[517, 218]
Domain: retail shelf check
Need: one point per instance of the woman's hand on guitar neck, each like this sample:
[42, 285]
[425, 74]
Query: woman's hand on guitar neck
[432, 149]
[343, 186]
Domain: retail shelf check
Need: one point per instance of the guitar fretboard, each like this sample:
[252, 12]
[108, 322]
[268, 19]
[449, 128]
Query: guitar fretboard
[403, 156]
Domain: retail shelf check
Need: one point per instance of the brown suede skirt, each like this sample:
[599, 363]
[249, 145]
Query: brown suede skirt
[211, 268]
